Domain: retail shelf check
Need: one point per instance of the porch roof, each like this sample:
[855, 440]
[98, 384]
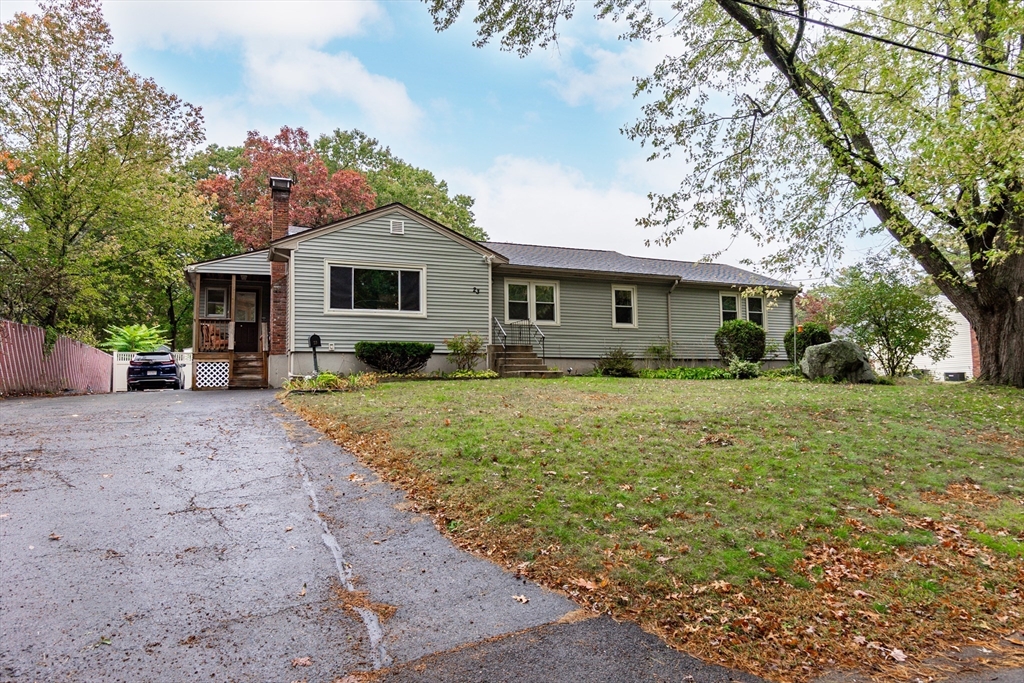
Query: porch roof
[249, 263]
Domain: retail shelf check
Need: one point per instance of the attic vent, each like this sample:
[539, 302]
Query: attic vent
[397, 227]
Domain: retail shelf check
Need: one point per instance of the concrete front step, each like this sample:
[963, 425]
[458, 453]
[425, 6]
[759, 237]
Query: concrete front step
[521, 367]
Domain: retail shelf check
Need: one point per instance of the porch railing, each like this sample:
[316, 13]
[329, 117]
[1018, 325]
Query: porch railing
[520, 333]
[214, 335]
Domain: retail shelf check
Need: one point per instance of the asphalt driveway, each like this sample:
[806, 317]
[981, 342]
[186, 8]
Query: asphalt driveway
[174, 535]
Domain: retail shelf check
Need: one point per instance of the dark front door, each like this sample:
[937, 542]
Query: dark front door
[247, 329]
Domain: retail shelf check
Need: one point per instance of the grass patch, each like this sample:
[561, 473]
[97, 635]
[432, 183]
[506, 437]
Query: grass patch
[729, 517]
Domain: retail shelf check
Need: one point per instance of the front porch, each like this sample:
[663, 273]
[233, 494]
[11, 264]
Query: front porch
[230, 331]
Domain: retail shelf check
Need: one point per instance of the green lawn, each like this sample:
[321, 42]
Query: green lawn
[656, 498]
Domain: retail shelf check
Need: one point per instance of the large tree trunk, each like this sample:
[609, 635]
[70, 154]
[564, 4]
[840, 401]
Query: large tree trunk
[1000, 333]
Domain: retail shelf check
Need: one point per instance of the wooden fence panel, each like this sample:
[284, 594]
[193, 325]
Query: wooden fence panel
[71, 366]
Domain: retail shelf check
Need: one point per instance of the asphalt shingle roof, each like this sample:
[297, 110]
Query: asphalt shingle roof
[599, 261]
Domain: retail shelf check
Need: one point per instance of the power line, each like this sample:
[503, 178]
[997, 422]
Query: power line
[905, 23]
[880, 39]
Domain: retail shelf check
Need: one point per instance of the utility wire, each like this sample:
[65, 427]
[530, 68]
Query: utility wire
[905, 23]
[880, 39]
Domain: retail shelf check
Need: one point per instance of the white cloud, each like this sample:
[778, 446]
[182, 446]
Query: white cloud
[607, 80]
[282, 46]
[303, 73]
[536, 202]
[164, 24]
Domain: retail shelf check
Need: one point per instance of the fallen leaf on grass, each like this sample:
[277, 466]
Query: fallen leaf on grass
[1016, 638]
[662, 559]
[898, 654]
[302, 661]
[583, 583]
[521, 599]
[862, 594]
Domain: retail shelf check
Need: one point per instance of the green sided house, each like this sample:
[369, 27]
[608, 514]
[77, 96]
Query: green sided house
[394, 274]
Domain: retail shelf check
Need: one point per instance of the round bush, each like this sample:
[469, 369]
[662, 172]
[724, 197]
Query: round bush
[812, 335]
[397, 357]
[740, 339]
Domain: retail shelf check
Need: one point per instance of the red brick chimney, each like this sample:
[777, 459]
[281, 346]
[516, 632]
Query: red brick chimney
[280, 193]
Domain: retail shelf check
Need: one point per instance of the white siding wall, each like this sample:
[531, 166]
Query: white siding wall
[959, 358]
[452, 271]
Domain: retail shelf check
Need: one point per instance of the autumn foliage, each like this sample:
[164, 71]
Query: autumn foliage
[318, 196]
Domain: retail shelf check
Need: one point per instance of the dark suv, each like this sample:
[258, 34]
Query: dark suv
[154, 369]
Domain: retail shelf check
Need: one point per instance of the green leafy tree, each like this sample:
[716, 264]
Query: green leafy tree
[883, 309]
[93, 219]
[395, 180]
[797, 135]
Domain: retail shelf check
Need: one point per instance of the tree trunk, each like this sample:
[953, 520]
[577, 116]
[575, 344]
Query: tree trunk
[1000, 333]
[172, 319]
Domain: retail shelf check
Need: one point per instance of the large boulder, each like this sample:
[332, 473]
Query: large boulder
[842, 360]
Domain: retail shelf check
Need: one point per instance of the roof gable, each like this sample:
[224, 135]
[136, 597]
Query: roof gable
[292, 241]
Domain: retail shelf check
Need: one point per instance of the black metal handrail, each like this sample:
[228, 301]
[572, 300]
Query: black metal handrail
[526, 333]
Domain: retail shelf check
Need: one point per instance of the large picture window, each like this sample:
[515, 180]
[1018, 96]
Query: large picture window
[380, 289]
[624, 306]
[533, 301]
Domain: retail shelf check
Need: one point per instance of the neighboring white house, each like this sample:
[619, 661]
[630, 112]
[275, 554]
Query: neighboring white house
[960, 358]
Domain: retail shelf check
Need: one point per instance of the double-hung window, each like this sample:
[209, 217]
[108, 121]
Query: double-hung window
[216, 302]
[376, 289]
[730, 306]
[755, 310]
[531, 300]
[624, 306]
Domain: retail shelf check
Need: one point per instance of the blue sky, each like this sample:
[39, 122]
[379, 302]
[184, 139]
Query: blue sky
[536, 141]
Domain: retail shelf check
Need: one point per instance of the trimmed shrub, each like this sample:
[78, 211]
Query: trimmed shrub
[740, 339]
[464, 350]
[686, 373]
[398, 357]
[617, 363]
[743, 369]
[812, 335]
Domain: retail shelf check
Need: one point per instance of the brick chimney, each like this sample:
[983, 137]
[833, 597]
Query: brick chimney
[280, 193]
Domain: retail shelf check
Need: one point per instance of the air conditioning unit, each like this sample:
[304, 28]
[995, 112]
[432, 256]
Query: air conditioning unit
[397, 227]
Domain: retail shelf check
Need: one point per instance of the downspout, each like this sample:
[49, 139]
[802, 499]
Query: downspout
[668, 303]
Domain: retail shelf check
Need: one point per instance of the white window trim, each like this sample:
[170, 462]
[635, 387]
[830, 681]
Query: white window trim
[764, 310]
[721, 309]
[530, 285]
[636, 313]
[227, 304]
[358, 312]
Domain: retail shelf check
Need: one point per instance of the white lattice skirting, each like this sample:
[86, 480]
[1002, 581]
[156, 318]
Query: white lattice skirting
[212, 374]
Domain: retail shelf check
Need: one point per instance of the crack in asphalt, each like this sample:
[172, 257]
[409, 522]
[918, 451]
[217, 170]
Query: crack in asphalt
[378, 652]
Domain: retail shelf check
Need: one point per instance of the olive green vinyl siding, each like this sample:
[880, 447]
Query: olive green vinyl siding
[585, 312]
[780, 319]
[205, 285]
[696, 316]
[253, 263]
[585, 309]
[453, 270]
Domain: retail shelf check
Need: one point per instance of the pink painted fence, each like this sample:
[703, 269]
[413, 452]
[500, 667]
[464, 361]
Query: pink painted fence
[71, 366]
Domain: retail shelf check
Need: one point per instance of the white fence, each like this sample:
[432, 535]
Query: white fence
[121, 360]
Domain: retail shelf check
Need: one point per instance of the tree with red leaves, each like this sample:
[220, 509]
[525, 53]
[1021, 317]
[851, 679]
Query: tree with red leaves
[318, 196]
